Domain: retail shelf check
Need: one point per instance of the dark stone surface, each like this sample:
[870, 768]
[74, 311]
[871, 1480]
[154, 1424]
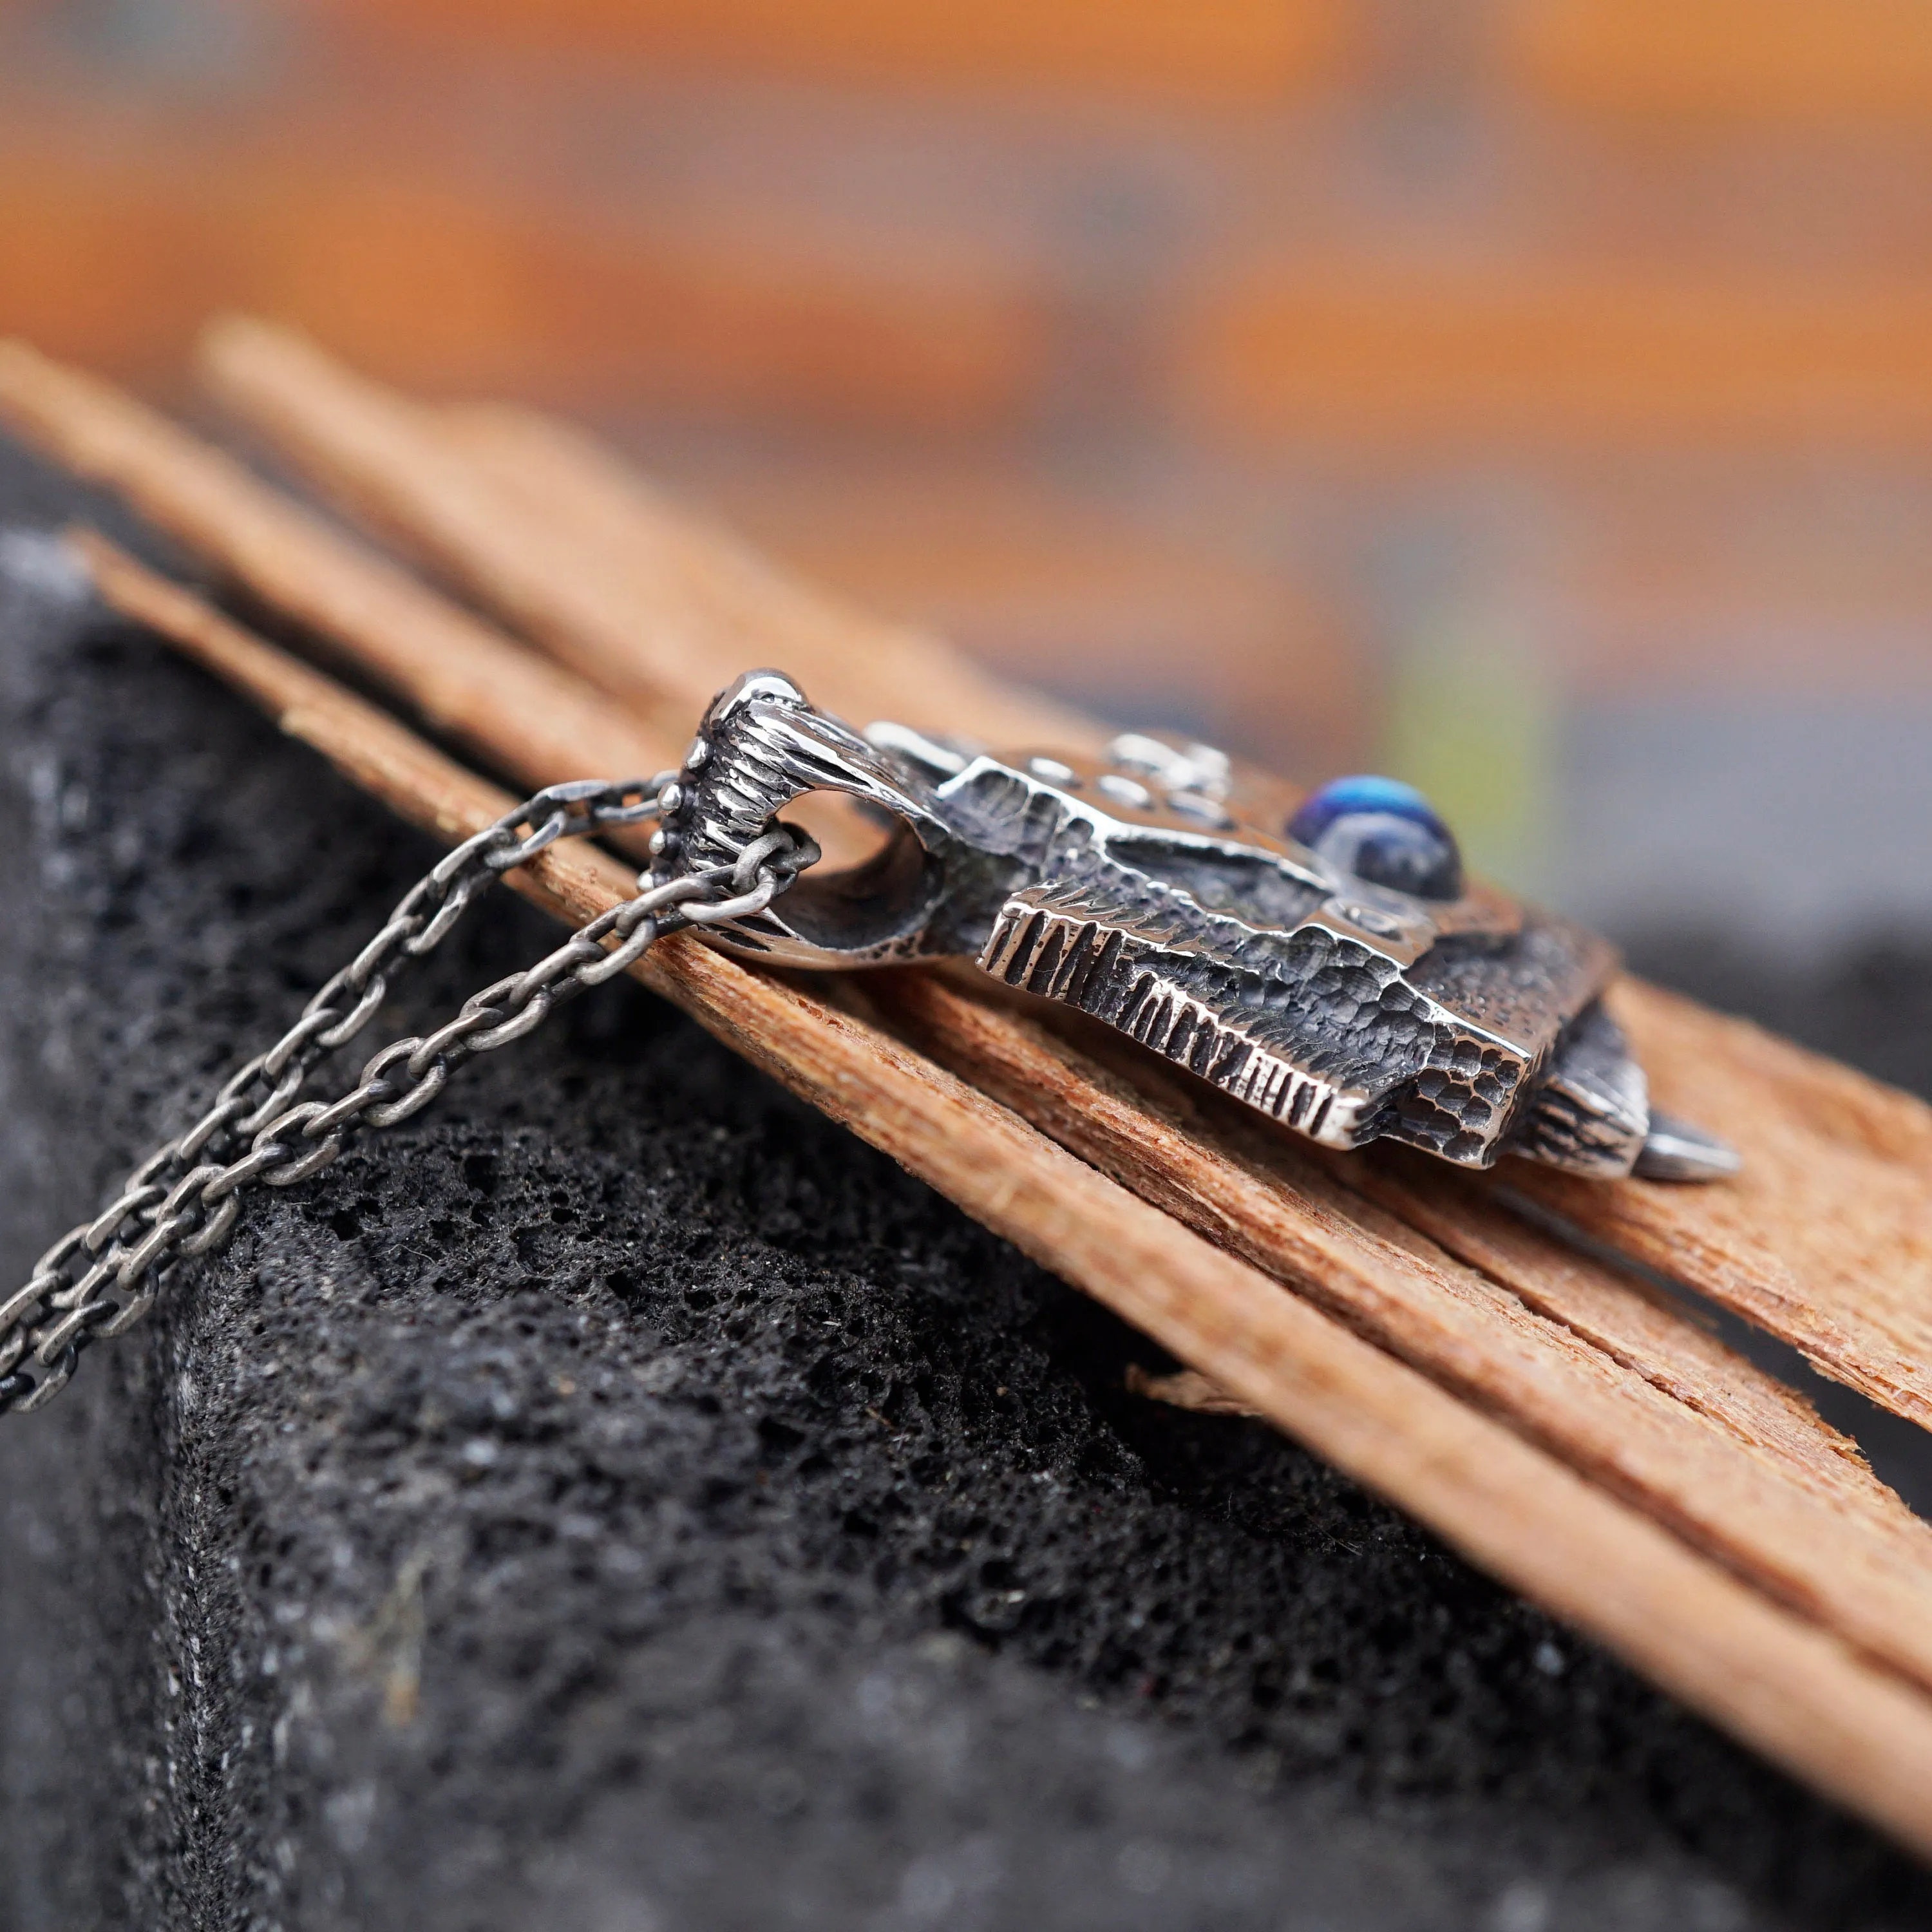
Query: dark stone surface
[618, 1500]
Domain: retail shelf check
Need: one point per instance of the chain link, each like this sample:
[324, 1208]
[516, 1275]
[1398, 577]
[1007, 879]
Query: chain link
[99, 1279]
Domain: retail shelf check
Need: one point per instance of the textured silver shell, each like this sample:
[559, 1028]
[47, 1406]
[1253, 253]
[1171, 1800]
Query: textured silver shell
[1153, 890]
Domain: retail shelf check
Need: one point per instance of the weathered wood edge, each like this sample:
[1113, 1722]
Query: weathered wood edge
[1647, 1404]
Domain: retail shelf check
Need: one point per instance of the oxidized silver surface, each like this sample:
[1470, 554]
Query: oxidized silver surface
[1159, 892]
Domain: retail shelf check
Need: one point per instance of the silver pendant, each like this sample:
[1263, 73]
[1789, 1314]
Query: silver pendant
[1323, 961]
[1326, 962]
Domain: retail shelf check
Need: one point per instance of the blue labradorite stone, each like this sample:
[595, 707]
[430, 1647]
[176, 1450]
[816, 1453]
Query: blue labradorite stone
[1385, 833]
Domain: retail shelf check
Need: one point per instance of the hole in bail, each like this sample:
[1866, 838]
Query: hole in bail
[874, 883]
[849, 832]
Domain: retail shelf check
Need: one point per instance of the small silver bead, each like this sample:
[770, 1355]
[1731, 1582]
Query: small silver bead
[695, 758]
[671, 797]
[659, 843]
[1198, 804]
[1129, 792]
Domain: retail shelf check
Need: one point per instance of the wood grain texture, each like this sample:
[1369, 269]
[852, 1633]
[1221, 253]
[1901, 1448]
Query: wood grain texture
[458, 674]
[1574, 1354]
[1826, 1239]
[1796, 1691]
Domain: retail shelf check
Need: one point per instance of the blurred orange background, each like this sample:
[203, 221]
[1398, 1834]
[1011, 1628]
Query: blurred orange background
[1532, 396]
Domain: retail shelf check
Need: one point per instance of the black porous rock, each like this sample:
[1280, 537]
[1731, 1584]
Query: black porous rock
[618, 1500]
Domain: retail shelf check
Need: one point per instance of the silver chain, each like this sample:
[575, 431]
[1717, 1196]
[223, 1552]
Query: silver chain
[100, 1278]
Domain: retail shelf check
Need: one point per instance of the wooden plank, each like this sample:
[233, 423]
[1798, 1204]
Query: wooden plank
[1826, 1240]
[1794, 1690]
[457, 674]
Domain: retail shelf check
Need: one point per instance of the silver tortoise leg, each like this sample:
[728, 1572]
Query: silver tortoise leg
[1674, 1149]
